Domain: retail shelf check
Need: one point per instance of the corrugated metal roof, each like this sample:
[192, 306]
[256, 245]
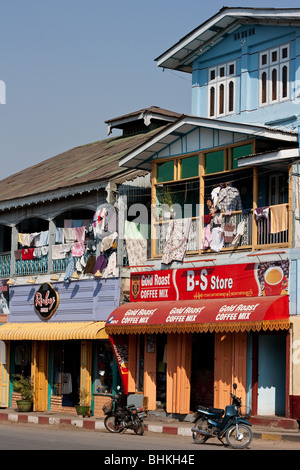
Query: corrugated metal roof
[81, 165]
[52, 331]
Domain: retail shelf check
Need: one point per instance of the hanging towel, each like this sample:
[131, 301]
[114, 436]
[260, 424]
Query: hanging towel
[229, 232]
[206, 238]
[27, 254]
[42, 238]
[217, 239]
[77, 249]
[278, 218]
[59, 238]
[70, 235]
[58, 252]
[80, 234]
[176, 240]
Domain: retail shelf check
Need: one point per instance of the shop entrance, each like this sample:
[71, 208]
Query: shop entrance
[202, 377]
[271, 374]
[67, 371]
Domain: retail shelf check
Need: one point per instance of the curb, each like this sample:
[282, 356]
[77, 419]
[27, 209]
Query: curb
[98, 425]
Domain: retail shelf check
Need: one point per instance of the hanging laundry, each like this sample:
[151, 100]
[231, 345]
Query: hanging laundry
[229, 232]
[80, 233]
[111, 267]
[239, 233]
[217, 239]
[77, 249]
[59, 236]
[206, 238]
[70, 270]
[278, 215]
[90, 265]
[70, 235]
[24, 239]
[176, 240]
[101, 263]
[229, 199]
[37, 252]
[107, 242]
[261, 213]
[42, 238]
[215, 194]
[27, 253]
[18, 254]
[58, 252]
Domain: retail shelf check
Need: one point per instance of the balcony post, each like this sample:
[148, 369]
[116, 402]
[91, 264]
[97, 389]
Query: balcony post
[255, 196]
[52, 239]
[14, 247]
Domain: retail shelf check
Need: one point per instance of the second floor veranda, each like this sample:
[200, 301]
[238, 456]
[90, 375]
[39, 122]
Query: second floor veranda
[253, 210]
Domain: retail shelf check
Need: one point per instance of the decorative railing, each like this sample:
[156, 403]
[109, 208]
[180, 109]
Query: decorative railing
[252, 233]
[5, 264]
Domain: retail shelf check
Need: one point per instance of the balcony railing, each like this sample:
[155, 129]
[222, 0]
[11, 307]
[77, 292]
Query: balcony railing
[253, 233]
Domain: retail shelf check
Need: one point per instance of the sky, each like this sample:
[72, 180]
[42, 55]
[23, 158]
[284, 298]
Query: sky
[69, 65]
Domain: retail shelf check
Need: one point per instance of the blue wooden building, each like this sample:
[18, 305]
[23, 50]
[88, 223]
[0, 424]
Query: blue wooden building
[239, 151]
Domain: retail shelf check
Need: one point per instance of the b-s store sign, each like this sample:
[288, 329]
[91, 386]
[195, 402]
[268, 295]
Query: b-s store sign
[241, 280]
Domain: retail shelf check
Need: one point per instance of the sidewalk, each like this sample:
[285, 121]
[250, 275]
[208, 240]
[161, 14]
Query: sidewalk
[152, 424]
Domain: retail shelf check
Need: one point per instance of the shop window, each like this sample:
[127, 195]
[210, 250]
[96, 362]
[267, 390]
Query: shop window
[165, 171]
[189, 167]
[104, 368]
[274, 75]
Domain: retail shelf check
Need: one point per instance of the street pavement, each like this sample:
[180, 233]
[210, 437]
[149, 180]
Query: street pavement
[155, 424]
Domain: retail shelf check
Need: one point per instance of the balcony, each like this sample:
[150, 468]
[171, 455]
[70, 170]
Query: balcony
[254, 234]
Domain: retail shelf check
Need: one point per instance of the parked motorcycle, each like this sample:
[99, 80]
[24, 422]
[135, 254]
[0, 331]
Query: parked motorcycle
[210, 422]
[119, 418]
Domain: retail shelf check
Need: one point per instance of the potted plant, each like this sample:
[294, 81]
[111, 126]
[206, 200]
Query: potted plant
[83, 408]
[24, 386]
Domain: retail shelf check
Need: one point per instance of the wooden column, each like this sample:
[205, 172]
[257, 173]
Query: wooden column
[255, 196]
[201, 195]
[150, 375]
[132, 364]
[86, 366]
[153, 209]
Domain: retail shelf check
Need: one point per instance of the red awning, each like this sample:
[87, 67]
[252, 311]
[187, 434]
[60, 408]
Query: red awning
[238, 314]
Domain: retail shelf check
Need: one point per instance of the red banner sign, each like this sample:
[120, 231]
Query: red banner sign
[241, 280]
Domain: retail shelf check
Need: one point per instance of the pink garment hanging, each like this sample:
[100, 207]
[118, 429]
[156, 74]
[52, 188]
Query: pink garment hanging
[80, 233]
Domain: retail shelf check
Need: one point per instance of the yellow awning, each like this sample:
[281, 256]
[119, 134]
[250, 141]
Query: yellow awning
[52, 331]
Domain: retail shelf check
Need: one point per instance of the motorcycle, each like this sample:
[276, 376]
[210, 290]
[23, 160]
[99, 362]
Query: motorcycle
[210, 422]
[119, 418]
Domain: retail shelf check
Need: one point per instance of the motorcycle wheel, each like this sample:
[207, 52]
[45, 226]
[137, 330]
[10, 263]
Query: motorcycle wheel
[240, 440]
[139, 427]
[112, 425]
[202, 425]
